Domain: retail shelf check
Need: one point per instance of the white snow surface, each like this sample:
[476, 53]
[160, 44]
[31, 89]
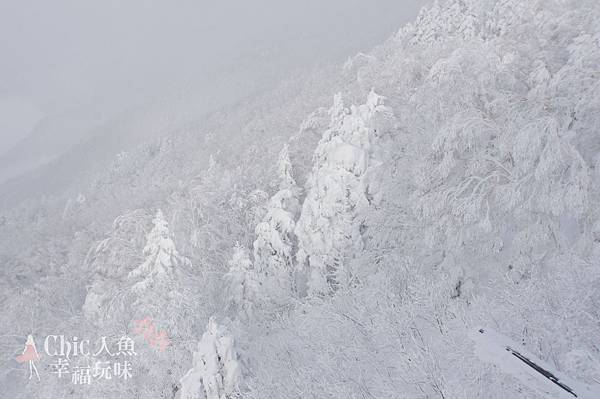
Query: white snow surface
[493, 348]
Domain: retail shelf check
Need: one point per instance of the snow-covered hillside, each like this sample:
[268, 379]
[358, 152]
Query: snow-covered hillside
[344, 235]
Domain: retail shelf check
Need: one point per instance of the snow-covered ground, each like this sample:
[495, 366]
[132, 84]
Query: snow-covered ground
[512, 359]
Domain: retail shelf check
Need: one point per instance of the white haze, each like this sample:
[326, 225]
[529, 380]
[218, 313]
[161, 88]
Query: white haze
[67, 67]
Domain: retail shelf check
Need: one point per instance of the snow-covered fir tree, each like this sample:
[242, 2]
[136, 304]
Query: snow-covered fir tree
[216, 372]
[275, 242]
[161, 258]
[332, 220]
[110, 259]
[243, 282]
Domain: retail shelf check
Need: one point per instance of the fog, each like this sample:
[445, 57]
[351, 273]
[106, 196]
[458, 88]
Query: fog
[67, 66]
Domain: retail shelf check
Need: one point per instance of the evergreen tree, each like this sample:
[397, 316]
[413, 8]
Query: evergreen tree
[110, 259]
[161, 257]
[338, 193]
[275, 239]
[215, 373]
[242, 280]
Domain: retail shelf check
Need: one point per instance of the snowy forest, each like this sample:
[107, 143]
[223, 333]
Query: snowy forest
[342, 235]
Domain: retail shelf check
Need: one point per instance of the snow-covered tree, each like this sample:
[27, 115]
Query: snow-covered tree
[243, 282]
[110, 259]
[286, 171]
[339, 191]
[275, 239]
[215, 373]
[161, 257]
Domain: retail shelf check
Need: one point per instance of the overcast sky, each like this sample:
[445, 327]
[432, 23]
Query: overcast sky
[62, 55]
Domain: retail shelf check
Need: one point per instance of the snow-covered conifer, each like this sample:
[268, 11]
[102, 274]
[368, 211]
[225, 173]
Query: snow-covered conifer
[111, 258]
[161, 257]
[275, 239]
[215, 373]
[285, 169]
[338, 192]
[242, 280]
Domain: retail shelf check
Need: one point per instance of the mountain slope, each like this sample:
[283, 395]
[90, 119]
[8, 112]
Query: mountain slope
[451, 184]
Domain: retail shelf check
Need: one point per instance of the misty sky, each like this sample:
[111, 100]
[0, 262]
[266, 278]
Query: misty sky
[63, 55]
